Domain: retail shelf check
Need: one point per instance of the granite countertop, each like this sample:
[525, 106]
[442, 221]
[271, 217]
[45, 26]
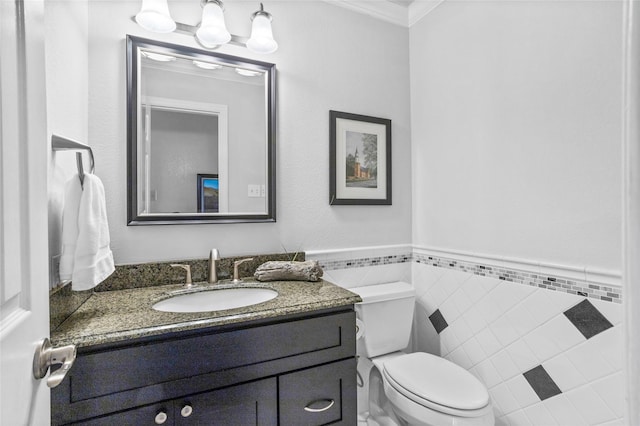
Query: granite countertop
[115, 316]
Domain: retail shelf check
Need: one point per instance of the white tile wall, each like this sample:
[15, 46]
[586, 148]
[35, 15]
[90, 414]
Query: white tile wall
[499, 329]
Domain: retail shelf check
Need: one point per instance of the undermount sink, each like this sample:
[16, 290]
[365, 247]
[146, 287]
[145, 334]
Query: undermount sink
[215, 300]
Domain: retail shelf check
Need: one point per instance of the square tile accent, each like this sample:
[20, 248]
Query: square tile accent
[438, 321]
[542, 384]
[587, 319]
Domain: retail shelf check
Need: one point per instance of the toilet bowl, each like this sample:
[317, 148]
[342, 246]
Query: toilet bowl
[416, 389]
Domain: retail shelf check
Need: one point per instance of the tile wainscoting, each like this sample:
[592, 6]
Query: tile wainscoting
[546, 340]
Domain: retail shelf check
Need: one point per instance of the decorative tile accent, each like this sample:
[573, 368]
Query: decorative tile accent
[542, 384]
[587, 319]
[438, 321]
[579, 288]
[330, 265]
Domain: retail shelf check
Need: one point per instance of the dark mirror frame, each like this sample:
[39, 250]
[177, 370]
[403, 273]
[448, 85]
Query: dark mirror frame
[133, 45]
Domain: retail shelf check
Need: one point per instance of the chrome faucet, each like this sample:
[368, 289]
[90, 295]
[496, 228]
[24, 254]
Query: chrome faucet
[214, 256]
[236, 275]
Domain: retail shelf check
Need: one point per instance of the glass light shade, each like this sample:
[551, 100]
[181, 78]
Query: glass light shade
[213, 31]
[154, 16]
[261, 40]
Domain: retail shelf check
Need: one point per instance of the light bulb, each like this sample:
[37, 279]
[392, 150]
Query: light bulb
[261, 40]
[154, 16]
[213, 31]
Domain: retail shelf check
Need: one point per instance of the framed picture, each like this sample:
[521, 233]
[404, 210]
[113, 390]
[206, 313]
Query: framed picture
[208, 193]
[359, 159]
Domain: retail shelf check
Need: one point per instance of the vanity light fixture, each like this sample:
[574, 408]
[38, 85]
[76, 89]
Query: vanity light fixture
[212, 31]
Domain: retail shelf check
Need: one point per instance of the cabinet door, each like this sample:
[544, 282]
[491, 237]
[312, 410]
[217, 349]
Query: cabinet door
[319, 395]
[155, 414]
[242, 405]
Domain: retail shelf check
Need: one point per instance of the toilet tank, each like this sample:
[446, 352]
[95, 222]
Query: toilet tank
[387, 313]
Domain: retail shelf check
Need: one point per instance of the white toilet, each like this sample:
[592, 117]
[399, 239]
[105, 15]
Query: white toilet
[417, 389]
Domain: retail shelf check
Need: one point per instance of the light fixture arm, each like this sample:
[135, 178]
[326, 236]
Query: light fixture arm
[190, 30]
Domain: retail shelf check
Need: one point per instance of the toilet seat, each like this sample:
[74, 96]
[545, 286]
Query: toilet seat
[438, 384]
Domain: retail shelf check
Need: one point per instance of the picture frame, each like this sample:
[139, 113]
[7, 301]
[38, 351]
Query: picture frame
[359, 159]
[208, 186]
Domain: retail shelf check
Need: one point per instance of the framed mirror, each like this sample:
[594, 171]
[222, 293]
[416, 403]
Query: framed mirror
[201, 136]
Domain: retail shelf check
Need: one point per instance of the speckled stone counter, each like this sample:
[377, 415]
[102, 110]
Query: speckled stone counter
[114, 316]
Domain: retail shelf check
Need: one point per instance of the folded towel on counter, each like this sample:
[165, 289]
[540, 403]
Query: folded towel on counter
[86, 256]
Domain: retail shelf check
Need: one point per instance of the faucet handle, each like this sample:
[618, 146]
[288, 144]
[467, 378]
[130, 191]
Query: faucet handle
[236, 275]
[187, 268]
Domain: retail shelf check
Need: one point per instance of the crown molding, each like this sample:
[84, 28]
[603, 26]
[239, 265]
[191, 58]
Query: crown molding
[379, 9]
[418, 9]
[390, 12]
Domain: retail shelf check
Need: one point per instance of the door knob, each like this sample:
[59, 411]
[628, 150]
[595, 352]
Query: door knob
[46, 356]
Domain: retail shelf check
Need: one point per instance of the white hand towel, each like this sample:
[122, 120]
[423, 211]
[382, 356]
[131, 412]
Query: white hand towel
[88, 256]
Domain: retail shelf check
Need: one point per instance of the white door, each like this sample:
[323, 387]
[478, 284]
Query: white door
[24, 272]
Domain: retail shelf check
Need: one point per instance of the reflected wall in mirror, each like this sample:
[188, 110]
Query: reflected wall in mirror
[193, 114]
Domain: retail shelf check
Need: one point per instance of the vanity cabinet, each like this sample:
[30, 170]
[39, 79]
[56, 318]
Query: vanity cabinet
[289, 370]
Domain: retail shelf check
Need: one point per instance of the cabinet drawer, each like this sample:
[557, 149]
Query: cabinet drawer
[320, 395]
[149, 415]
[250, 404]
[107, 372]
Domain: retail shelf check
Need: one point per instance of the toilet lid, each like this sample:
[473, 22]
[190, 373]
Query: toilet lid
[437, 380]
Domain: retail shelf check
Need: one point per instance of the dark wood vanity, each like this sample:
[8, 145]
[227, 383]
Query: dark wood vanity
[296, 369]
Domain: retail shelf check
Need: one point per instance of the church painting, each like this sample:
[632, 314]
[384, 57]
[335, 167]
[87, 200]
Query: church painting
[362, 160]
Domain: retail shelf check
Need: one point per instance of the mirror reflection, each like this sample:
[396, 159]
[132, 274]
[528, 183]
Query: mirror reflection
[201, 136]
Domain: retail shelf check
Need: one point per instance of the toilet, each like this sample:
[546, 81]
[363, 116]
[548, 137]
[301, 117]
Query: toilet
[415, 389]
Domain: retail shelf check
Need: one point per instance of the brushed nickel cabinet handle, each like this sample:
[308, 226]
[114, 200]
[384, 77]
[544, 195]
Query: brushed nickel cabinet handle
[311, 409]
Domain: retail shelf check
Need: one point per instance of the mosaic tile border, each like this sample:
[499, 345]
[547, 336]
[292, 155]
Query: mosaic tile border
[571, 286]
[582, 288]
[330, 265]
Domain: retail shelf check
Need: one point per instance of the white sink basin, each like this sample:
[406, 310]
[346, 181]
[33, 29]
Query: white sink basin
[215, 300]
